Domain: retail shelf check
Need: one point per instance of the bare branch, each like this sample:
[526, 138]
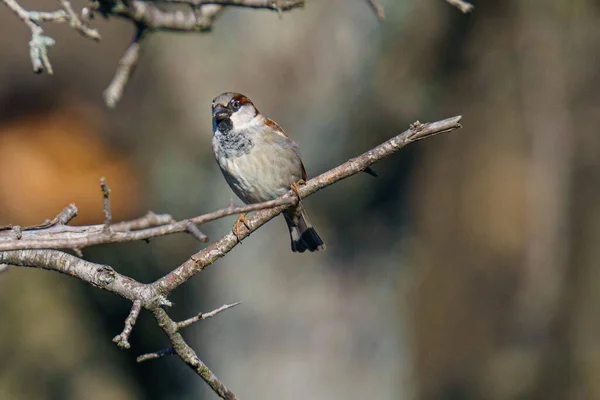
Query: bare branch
[98, 275]
[127, 65]
[39, 43]
[57, 16]
[155, 355]
[462, 5]
[122, 339]
[209, 255]
[68, 237]
[106, 201]
[149, 220]
[150, 226]
[188, 355]
[275, 5]
[181, 325]
[377, 9]
[154, 295]
[200, 317]
[145, 15]
[75, 22]
[193, 230]
[63, 218]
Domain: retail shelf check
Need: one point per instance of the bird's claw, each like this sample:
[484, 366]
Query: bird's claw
[296, 188]
[236, 227]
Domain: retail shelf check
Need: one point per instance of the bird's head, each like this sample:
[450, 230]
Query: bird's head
[233, 111]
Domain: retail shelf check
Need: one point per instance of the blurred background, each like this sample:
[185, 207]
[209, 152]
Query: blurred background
[467, 270]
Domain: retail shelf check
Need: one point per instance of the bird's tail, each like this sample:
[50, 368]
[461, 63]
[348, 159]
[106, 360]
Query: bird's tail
[304, 236]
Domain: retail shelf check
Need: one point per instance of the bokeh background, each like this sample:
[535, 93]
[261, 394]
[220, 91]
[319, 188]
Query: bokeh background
[467, 270]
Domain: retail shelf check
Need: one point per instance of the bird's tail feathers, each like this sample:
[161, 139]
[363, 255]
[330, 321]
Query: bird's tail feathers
[303, 234]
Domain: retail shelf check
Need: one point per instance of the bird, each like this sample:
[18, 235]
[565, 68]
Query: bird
[260, 163]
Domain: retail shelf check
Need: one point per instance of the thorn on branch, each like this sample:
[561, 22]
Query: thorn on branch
[464, 6]
[156, 354]
[125, 69]
[200, 317]
[122, 339]
[106, 207]
[377, 9]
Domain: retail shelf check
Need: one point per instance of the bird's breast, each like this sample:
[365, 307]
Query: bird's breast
[260, 171]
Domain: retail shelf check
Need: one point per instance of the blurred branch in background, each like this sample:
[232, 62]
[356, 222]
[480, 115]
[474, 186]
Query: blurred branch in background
[145, 15]
[463, 6]
[377, 9]
[39, 44]
[154, 295]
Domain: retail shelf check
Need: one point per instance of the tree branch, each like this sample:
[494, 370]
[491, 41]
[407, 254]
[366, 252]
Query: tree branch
[154, 295]
[462, 5]
[106, 205]
[209, 255]
[122, 339]
[157, 354]
[200, 317]
[188, 355]
[146, 16]
[377, 9]
[40, 43]
[125, 69]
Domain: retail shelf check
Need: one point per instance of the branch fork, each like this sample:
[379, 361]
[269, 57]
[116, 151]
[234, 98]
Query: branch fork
[37, 248]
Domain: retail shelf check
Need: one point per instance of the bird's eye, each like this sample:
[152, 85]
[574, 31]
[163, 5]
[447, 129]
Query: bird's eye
[235, 105]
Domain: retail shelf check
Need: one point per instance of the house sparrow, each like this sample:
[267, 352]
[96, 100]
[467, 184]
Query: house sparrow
[260, 162]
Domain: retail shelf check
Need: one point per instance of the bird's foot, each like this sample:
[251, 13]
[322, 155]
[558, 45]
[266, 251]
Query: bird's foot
[236, 227]
[296, 188]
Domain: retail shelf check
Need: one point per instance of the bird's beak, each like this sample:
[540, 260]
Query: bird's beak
[221, 113]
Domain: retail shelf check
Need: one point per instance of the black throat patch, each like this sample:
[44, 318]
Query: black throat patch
[232, 144]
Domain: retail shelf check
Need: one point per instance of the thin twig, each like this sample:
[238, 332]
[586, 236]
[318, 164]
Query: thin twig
[24, 16]
[122, 339]
[377, 9]
[76, 23]
[200, 317]
[188, 355]
[462, 5]
[275, 5]
[193, 230]
[126, 66]
[40, 43]
[147, 221]
[63, 218]
[106, 206]
[155, 355]
[66, 237]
